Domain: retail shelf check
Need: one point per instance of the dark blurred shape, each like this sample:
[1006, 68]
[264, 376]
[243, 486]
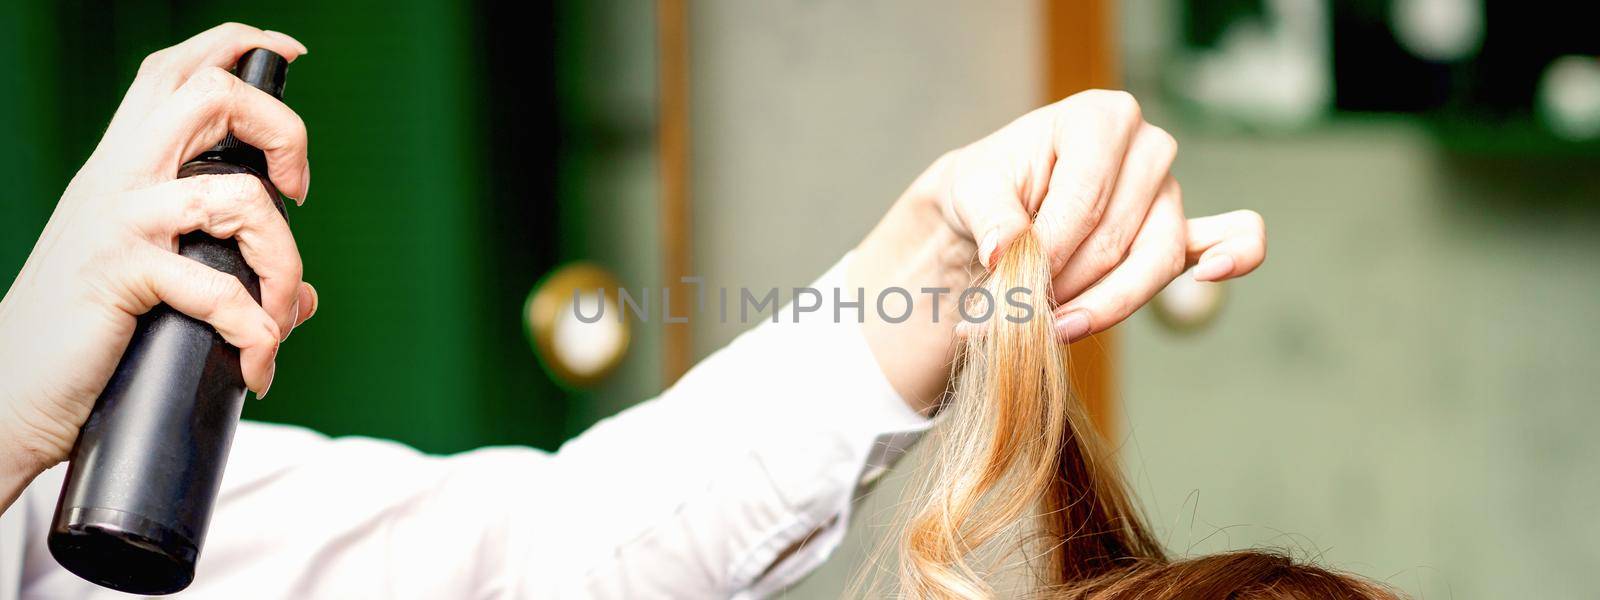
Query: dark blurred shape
[1477, 72]
[1373, 72]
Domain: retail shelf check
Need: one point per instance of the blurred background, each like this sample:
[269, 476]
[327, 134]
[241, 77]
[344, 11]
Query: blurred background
[1406, 389]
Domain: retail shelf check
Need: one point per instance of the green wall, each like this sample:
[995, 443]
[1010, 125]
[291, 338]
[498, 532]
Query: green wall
[418, 336]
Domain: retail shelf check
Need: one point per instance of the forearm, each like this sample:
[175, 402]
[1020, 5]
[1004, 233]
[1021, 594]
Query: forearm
[12, 481]
[914, 249]
[18, 465]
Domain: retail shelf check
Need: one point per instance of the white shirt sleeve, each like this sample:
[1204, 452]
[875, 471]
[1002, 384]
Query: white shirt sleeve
[733, 483]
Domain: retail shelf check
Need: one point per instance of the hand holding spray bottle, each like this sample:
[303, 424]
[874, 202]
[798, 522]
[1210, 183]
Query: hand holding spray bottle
[148, 462]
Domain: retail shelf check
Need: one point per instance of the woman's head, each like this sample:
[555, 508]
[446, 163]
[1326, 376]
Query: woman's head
[1243, 575]
[1017, 463]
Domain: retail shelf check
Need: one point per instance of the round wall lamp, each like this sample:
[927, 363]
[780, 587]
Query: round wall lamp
[576, 348]
[1187, 306]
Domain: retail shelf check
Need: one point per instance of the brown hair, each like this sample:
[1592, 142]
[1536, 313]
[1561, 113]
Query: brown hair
[1016, 458]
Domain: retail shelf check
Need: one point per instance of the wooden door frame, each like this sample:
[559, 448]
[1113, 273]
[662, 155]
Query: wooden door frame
[677, 241]
[1080, 53]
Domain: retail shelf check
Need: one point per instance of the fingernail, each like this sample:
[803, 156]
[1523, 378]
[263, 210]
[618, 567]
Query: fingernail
[305, 185]
[986, 249]
[1073, 326]
[294, 309]
[315, 298]
[1212, 268]
[272, 373]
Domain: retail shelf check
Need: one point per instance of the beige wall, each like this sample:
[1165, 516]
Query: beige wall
[809, 119]
[1406, 389]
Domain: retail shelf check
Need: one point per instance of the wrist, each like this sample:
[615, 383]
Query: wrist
[19, 449]
[19, 463]
[915, 249]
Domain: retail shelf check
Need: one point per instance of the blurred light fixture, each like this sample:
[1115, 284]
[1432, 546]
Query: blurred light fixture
[1271, 70]
[1187, 305]
[1439, 30]
[1569, 97]
[577, 348]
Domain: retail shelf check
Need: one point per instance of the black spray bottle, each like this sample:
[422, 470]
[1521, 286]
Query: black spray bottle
[148, 462]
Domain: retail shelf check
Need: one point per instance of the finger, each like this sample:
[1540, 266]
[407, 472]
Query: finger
[1226, 246]
[164, 70]
[213, 103]
[1144, 171]
[1092, 132]
[220, 46]
[1154, 261]
[307, 304]
[983, 197]
[228, 206]
[218, 299]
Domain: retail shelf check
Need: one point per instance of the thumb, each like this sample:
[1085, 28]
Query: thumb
[991, 209]
[1000, 224]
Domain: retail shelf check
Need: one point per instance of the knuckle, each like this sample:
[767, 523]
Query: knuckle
[1122, 307]
[270, 334]
[287, 131]
[225, 186]
[221, 290]
[195, 211]
[1125, 105]
[236, 294]
[1117, 104]
[1087, 195]
[268, 337]
[236, 186]
[210, 84]
[294, 135]
[235, 29]
[1105, 251]
[1164, 143]
[296, 273]
[154, 63]
[158, 68]
[210, 198]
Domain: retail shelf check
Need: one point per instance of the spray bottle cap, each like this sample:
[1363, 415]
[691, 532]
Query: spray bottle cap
[264, 70]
